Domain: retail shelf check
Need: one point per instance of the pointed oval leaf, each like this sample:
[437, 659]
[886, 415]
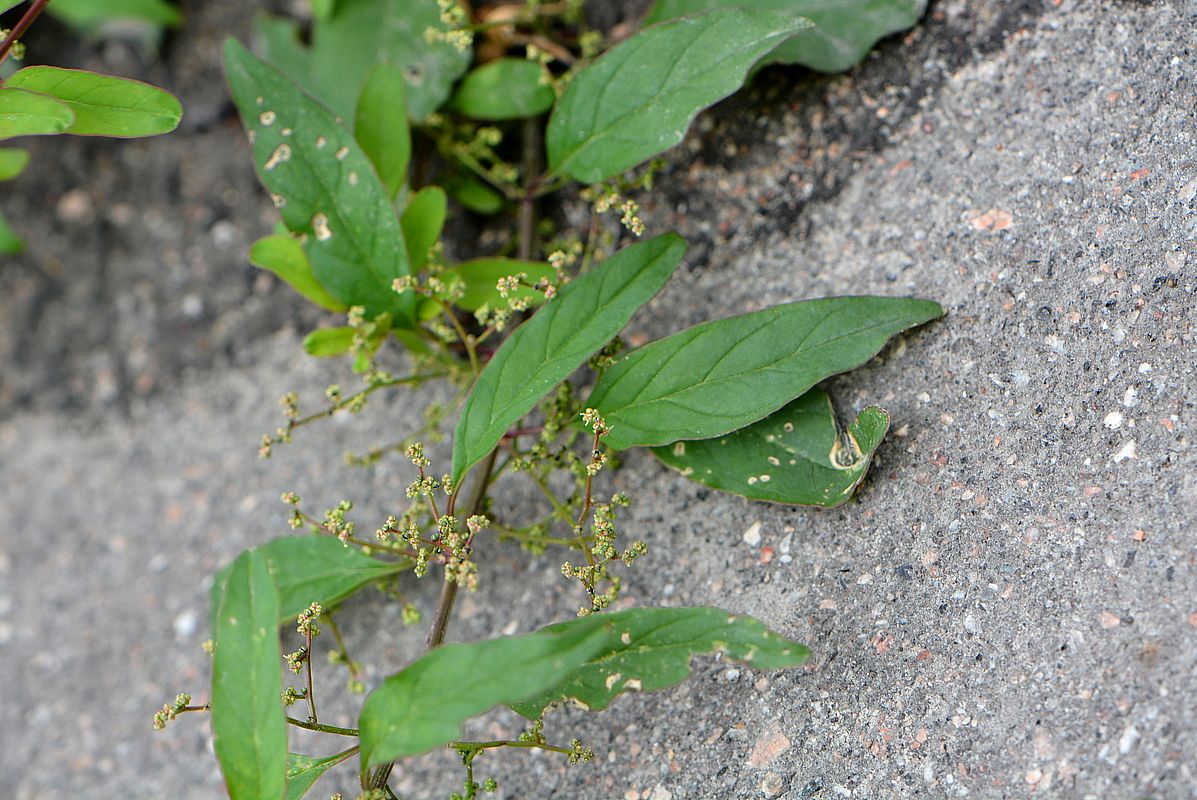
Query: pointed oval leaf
[104, 105]
[506, 88]
[380, 125]
[314, 569]
[558, 339]
[796, 455]
[844, 32]
[425, 704]
[325, 187]
[248, 725]
[720, 376]
[666, 74]
[24, 113]
[284, 256]
[646, 649]
[422, 221]
[13, 161]
[480, 277]
[327, 342]
[362, 33]
[303, 771]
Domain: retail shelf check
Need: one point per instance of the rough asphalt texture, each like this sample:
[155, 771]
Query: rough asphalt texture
[1009, 607]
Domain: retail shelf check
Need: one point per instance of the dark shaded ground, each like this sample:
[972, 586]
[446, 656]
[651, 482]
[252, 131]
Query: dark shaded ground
[1009, 609]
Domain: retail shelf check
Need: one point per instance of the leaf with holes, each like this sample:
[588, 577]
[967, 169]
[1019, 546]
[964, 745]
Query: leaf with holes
[796, 455]
[325, 187]
[720, 376]
[104, 105]
[425, 704]
[545, 350]
[844, 32]
[249, 730]
[665, 75]
[646, 649]
[24, 113]
[506, 88]
[314, 569]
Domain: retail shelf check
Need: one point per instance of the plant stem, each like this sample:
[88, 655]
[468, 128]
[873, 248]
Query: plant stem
[508, 743]
[22, 25]
[312, 726]
[311, 688]
[531, 165]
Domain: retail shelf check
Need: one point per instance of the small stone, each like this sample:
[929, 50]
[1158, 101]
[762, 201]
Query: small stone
[752, 536]
[1108, 620]
[772, 784]
[767, 748]
[1127, 451]
[1128, 740]
[660, 793]
[185, 625]
[1113, 420]
[1034, 776]
[75, 206]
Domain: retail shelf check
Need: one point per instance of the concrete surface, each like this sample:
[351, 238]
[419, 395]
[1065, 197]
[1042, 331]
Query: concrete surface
[1009, 608]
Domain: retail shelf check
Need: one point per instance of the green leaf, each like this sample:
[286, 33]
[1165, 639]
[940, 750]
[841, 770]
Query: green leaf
[314, 569]
[646, 649]
[325, 187]
[665, 75]
[720, 376]
[10, 243]
[844, 32]
[481, 278]
[284, 256]
[25, 113]
[104, 105]
[473, 194]
[247, 715]
[380, 125]
[424, 705]
[362, 33]
[323, 9]
[303, 771]
[796, 455]
[328, 341]
[558, 339]
[90, 13]
[422, 221]
[13, 161]
[506, 88]
[281, 44]
[5, 5]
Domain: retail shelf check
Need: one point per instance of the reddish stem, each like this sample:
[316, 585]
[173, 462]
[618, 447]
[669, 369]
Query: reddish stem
[22, 26]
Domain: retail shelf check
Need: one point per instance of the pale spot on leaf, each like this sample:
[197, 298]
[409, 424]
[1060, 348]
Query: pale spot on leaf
[320, 227]
[342, 153]
[267, 118]
[281, 153]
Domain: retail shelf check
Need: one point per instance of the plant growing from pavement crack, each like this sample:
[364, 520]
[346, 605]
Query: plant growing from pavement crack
[361, 138]
[43, 100]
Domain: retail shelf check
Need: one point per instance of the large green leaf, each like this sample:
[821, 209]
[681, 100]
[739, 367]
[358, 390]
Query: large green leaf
[796, 455]
[314, 569]
[359, 34]
[25, 113]
[424, 705]
[558, 339]
[720, 376]
[248, 725]
[282, 255]
[325, 187]
[506, 88]
[664, 76]
[104, 105]
[480, 277]
[380, 125]
[422, 221]
[646, 649]
[844, 32]
[90, 13]
[303, 771]
[13, 161]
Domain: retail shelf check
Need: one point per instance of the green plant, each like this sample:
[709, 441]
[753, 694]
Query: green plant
[361, 180]
[42, 100]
